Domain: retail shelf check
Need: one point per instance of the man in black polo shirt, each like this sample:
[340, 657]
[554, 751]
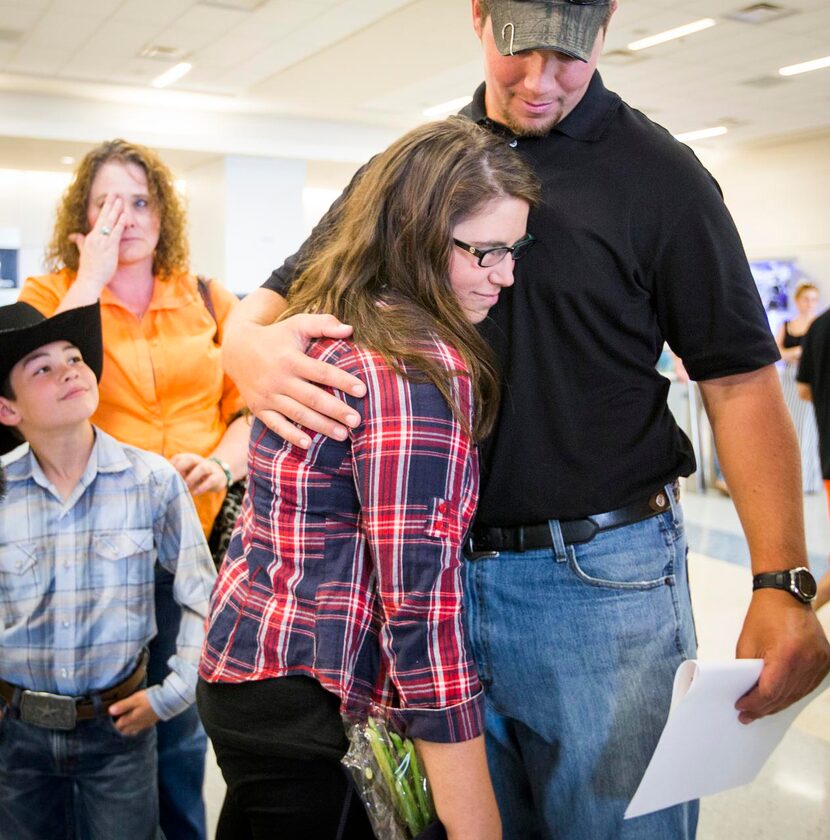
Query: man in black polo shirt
[578, 605]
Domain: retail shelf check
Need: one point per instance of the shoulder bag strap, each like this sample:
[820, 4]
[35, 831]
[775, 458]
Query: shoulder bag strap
[204, 292]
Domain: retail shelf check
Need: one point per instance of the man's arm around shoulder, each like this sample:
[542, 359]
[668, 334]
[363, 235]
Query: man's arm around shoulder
[278, 382]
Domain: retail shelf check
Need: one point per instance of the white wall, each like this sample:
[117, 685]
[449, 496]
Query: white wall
[264, 221]
[779, 195]
[205, 198]
[27, 204]
[272, 206]
[246, 216]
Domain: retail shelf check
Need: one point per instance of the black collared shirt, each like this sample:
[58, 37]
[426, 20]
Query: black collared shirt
[814, 370]
[635, 247]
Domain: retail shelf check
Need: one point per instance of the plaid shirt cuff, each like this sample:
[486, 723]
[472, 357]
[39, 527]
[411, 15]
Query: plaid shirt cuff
[449, 725]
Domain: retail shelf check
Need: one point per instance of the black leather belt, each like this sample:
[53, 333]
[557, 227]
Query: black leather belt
[61, 711]
[489, 540]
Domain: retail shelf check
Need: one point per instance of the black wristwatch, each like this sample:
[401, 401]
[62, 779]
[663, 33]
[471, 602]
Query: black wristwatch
[798, 582]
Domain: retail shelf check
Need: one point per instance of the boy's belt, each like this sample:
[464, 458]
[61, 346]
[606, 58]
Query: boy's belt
[485, 540]
[61, 711]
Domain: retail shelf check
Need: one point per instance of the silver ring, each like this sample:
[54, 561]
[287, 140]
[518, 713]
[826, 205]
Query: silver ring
[105, 231]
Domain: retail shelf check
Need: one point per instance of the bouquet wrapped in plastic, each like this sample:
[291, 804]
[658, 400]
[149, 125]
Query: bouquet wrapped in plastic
[391, 782]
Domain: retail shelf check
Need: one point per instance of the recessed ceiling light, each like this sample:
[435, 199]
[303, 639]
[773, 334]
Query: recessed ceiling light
[701, 134]
[238, 5]
[805, 66]
[672, 34]
[620, 58]
[67, 160]
[161, 52]
[172, 75]
[765, 81]
[446, 108]
[760, 13]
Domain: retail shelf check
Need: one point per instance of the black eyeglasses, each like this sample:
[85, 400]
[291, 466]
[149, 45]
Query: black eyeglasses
[488, 257]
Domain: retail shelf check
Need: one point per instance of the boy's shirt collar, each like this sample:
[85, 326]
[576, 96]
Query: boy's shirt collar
[107, 456]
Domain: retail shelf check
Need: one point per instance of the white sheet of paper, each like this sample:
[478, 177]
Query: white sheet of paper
[703, 748]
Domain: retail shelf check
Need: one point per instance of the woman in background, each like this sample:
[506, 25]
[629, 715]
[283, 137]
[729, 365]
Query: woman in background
[789, 338]
[341, 590]
[120, 236]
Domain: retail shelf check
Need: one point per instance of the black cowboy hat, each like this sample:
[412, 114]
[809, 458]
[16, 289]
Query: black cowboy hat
[23, 329]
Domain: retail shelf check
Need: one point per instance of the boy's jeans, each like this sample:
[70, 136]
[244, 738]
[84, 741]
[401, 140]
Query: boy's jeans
[181, 741]
[577, 646]
[92, 777]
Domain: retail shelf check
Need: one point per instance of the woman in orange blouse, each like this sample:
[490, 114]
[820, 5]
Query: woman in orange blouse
[120, 236]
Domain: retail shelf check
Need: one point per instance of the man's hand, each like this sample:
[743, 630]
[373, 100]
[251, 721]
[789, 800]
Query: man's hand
[133, 714]
[277, 380]
[796, 654]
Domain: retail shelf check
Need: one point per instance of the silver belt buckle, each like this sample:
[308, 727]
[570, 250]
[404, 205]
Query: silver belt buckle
[471, 554]
[49, 711]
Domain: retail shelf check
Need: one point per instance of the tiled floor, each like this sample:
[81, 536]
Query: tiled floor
[790, 799]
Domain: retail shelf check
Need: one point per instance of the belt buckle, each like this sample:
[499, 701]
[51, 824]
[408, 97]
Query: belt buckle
[579, 530]
[48, 711]
[471, 554]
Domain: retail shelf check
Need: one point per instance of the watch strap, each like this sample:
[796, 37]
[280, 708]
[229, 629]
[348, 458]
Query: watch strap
[772, 580]
[790, 580]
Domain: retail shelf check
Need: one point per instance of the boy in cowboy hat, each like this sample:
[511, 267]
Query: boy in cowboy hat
[84, 522]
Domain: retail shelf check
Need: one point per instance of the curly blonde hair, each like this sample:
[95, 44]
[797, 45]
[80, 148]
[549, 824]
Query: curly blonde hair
[171, 252]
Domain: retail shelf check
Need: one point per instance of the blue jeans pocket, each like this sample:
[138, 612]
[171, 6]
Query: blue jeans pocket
[639, 556]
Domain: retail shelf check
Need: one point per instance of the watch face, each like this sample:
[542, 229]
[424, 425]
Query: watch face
[806, 584]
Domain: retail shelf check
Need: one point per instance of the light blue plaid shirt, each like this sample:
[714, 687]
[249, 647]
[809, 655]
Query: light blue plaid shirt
[77, 576]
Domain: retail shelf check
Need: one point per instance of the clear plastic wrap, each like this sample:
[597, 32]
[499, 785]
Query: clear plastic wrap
[390, 780]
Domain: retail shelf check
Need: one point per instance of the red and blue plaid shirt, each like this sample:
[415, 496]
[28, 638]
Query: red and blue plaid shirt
[346, 562]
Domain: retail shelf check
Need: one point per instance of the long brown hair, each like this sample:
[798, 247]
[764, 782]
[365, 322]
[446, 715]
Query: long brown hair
[171, 251]
[390, 242]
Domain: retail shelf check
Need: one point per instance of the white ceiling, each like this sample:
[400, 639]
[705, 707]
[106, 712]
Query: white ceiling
[380, 62]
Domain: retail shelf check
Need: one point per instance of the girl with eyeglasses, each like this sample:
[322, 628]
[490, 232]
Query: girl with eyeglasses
[341, 590]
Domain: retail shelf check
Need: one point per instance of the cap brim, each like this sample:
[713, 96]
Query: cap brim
[567, 28]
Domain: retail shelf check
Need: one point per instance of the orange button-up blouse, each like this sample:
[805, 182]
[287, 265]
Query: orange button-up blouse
[162, 386]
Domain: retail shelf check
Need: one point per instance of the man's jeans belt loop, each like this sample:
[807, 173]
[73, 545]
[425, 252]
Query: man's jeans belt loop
[484, 540]
[61, 711]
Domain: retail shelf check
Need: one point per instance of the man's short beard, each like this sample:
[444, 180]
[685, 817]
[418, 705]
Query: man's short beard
[542, 129]
[531, 131]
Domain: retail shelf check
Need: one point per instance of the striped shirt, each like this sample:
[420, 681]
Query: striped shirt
[346, 562]
[77, 576]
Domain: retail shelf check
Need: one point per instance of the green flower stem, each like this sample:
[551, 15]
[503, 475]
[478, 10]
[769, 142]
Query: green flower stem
[418, 782]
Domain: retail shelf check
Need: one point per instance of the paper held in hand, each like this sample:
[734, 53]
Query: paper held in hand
[703, 748]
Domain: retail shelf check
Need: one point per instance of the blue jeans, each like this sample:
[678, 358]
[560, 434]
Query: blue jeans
[91, 778]
[577, 646]
[182, 742]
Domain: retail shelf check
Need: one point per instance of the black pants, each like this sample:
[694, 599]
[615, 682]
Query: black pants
[279, 743]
